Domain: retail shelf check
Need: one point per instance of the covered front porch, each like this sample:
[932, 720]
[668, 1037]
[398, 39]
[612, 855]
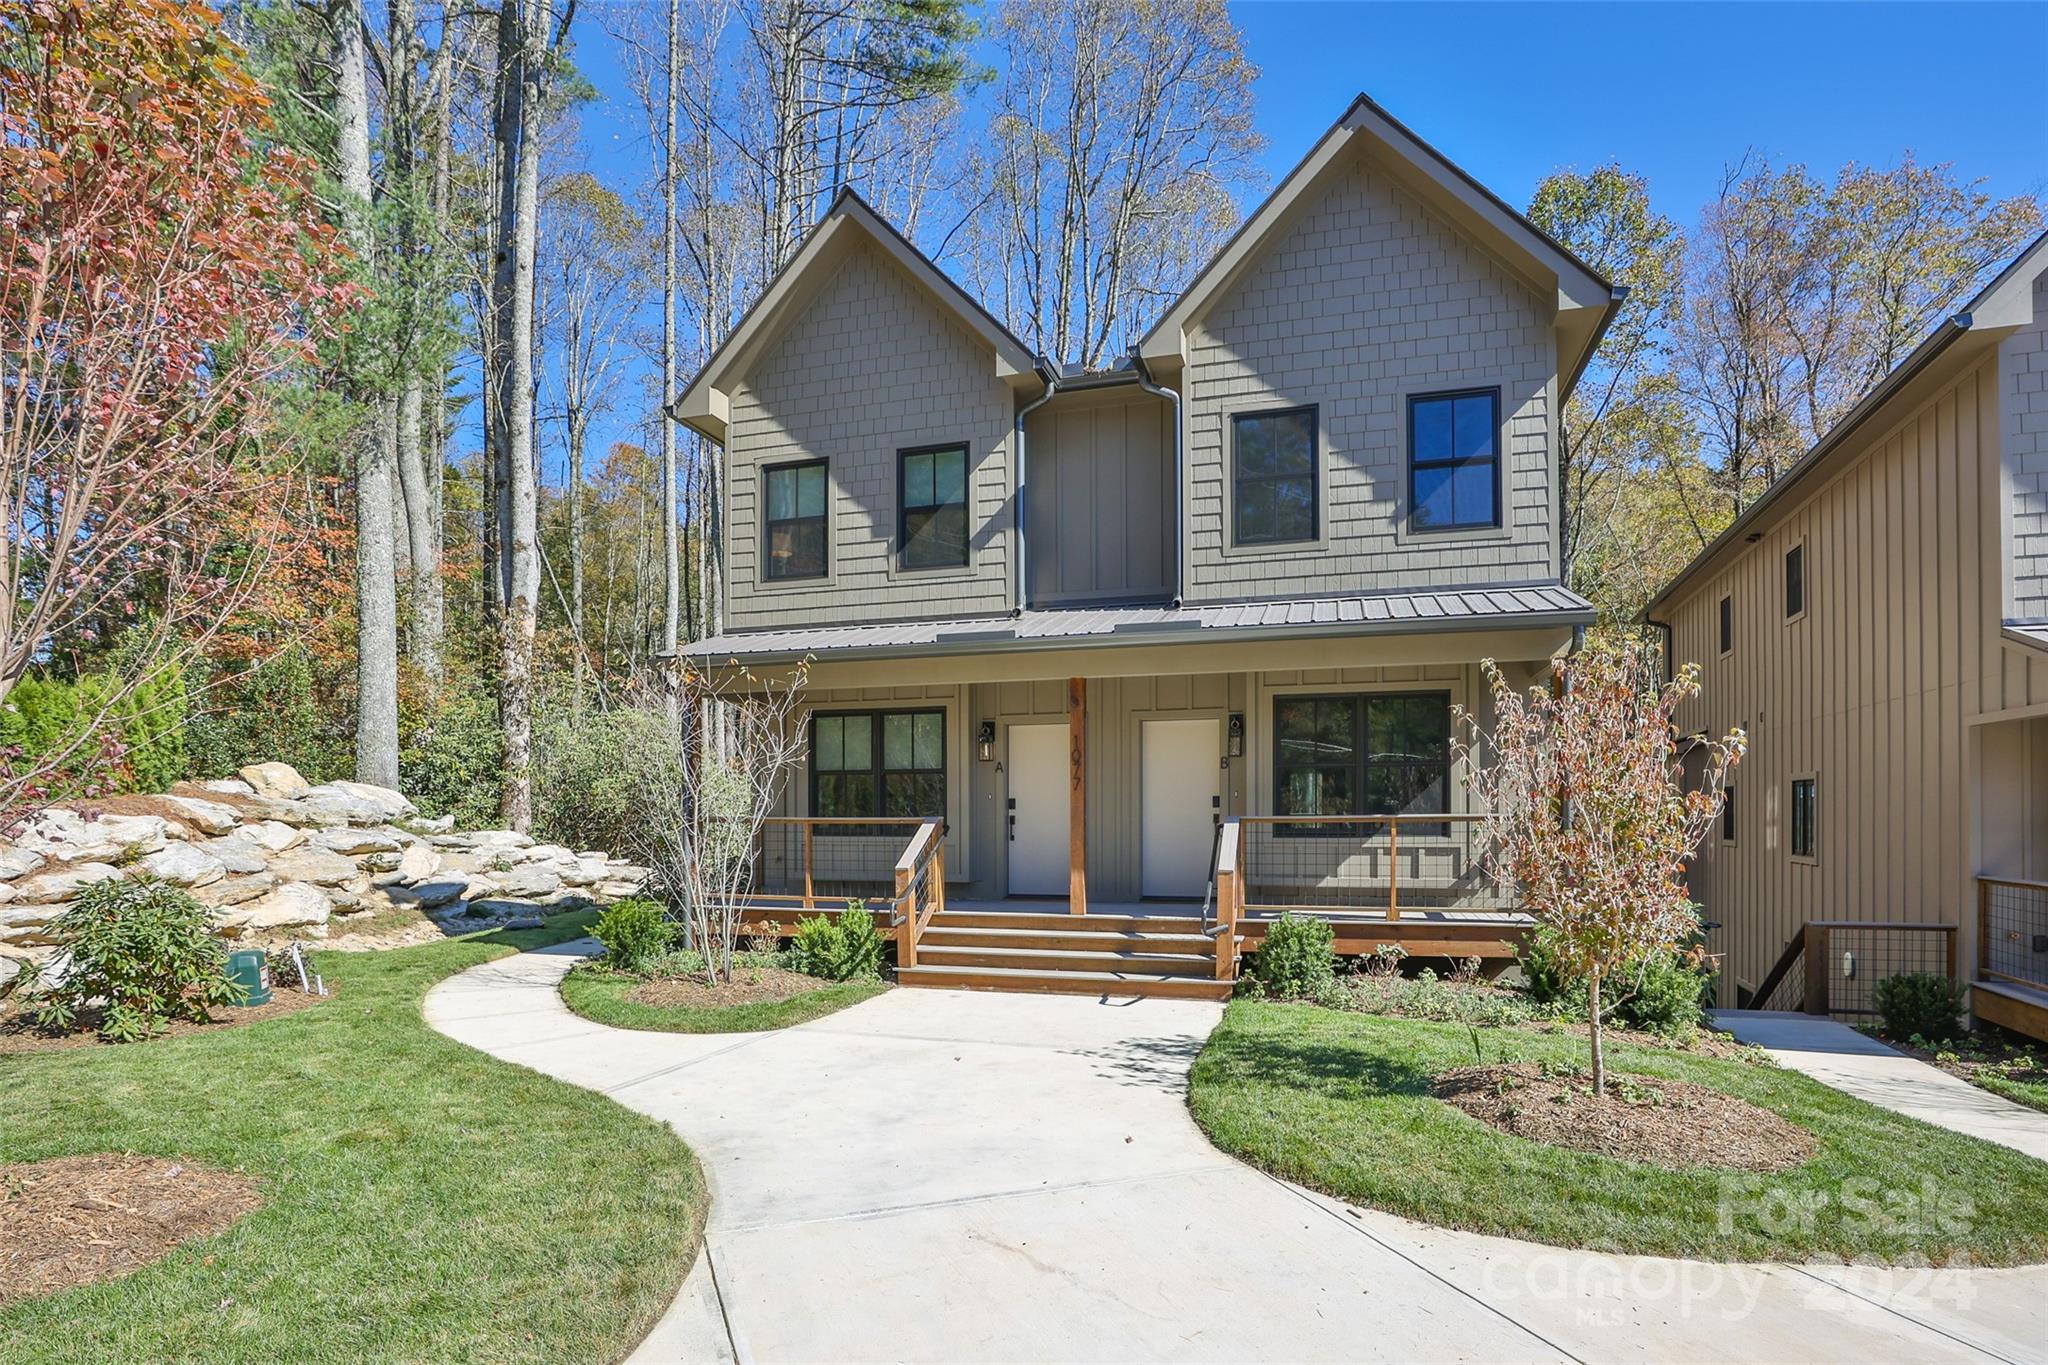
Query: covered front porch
[1076, 770]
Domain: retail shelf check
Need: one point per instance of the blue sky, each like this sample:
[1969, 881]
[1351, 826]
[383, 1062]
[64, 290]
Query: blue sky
[1673, 91]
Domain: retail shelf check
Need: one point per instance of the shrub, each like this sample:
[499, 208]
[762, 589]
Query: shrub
[838, 950]
[1664, 993]
[1919, 1004]
[44, 716]
[273, 711]
[588, 787]
[634, 934]
[145, 951]
[451, 755]
[1545, 977]
[1297, 960]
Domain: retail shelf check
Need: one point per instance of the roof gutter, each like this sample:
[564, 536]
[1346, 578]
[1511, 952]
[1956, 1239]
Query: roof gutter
[1150, 636]
[1052, 386]
[1873, 402]
[1146, 382]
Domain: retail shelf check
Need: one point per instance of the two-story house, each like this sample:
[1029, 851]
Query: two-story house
[1211, 608]
[1878, 622]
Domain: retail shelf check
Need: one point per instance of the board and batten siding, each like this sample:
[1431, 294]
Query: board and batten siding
[1100, 490]
[1872, 691]
[1366, 298]
[873, 364]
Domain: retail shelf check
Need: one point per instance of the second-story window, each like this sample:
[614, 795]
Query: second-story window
[931, 529]
[796, 540]
[1273, 470]
[1795, 581]
[1454, 460]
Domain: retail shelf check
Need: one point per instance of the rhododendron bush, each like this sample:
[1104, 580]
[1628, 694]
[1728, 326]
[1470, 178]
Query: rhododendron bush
[163, 269]
[1589, 812]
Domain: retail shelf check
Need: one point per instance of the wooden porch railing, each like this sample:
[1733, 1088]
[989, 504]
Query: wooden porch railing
[1350, 863]
[1833, 966]
[859, 858]
[2012, 931]
[1227, 878]
[920, 888]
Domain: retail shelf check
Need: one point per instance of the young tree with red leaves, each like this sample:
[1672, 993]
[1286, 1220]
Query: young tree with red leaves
[1587, 811]
[163, 269]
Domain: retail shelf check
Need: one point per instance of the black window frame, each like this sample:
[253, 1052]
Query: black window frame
[1795, 581]
[1806, 822]
[1728, 623]
[878, 767]
[1360, 763]
[903, 508]
[768, 524]
[1315, 476]
[1728, 814]
[1499, 518]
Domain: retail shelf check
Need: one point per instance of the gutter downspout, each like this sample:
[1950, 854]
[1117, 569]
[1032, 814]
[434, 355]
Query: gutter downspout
[1146, 383]
[1052, 386]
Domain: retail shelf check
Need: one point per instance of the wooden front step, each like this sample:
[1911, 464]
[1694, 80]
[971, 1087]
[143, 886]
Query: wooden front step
[1064, 983]
[1081, 924]
[941, 934]
[1120, 961]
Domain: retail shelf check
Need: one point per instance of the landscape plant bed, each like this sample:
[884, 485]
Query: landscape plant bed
[1488, 1006]
[758, 998]
[1990, 1058]
[1664, 1122]
[19, 1032]
[1345, 1103]
[421, 1201]
[76, 1220]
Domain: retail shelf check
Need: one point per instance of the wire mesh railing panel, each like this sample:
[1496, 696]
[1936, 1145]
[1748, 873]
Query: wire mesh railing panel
[1418, 863]
[1858, 957]
[2014, 926]
[829, 862]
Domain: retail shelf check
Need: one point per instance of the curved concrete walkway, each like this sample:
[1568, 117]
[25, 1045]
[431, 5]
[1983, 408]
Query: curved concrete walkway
[938, 1175]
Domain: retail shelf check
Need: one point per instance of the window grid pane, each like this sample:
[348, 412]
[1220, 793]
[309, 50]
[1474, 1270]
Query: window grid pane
[1273, 469]
[794, 528]
[1361, 754]
[1454, 460]
[932, 524]
[889, 764]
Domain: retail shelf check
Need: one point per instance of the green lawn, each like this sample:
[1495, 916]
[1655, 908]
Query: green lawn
[1340, 1102]
[2033, 1094]
[422, 1201]
[597, 992]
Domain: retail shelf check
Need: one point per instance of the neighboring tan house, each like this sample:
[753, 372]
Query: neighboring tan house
[1110, 627]
[1878, 623]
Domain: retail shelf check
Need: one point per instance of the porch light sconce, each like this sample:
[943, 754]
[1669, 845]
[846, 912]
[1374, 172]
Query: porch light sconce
[985, 742]
[1848, 966]
[1233, 743]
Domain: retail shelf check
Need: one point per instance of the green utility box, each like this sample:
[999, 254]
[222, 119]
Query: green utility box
[250, 969]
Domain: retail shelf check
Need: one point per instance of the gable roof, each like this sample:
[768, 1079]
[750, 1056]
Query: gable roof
[1585, 299]
[704, 403]
[1999, 308]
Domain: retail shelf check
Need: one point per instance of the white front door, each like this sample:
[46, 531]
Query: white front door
[1181, 775]
[1038, 810]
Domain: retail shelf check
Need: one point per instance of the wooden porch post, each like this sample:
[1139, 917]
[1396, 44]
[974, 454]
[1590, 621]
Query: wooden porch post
[1077, 796]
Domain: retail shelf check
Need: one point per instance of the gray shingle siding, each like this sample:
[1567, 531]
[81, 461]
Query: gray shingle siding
[1365, 299]
[873, 364]
[2023, 393]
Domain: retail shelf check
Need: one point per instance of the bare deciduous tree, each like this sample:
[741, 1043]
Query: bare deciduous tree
[707, 802]
[1120, 138]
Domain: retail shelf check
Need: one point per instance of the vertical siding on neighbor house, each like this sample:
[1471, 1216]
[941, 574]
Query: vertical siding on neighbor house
[1872, 691]
[1366, 298]
[1100, 487]
[873, 364]
[2023, 391]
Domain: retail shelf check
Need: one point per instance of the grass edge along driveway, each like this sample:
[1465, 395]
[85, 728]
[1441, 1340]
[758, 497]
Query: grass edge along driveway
[421, 1201]
[1340, 1102]
[599, 994]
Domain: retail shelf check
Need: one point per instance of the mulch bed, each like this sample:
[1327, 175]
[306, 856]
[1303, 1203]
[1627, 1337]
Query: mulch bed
[18, 1031]
[77, 1220]
[1664, 1122]
[1979, 1055]
[749, 986]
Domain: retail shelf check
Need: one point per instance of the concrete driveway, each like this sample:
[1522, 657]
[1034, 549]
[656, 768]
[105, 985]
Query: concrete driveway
[938, 1175]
